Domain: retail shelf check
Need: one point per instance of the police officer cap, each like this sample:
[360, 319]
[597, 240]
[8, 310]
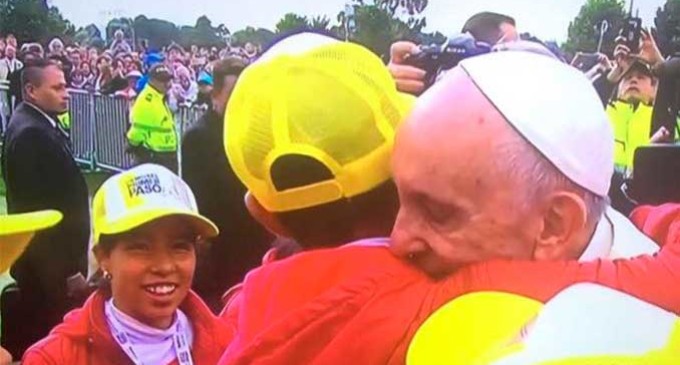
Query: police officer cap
[160, 72]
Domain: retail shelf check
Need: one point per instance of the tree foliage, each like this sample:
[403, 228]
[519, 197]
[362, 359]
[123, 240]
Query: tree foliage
[373, 23]
[320, 23]
[203, 34]
[89, 36]
[160, 33]
[667, 24]
[584, 29]
[411, 7]
[253, 35]
[377, 24]
[124, 24]
[292, 22]
[33, 20]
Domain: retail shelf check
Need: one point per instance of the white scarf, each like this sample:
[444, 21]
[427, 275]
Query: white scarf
[151, 345]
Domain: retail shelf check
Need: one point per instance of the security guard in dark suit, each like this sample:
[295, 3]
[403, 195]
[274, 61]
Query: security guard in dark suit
[40, 173]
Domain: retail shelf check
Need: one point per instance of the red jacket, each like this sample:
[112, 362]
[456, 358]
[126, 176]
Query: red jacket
[84, 338]
[360, 305]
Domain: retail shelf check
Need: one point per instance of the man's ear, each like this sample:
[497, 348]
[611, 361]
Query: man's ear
[28, 92]
[267, 219]
[564, 219]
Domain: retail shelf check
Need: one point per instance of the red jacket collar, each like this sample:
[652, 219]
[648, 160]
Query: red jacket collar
[88, 325]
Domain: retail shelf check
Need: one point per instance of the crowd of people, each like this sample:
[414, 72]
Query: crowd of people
[333, 209]
[118, 69]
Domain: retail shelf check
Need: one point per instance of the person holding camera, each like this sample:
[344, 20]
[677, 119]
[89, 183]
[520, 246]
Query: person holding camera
[631, 112]
[485, 27]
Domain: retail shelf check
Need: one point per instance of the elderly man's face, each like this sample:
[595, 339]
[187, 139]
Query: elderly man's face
[456, 207]
[57, 48]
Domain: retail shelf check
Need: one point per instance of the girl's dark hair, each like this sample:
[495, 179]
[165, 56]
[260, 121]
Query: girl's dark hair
[98, 282]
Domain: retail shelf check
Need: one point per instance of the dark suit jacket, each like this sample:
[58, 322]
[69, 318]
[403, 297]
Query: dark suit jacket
[40, 173]
[219, 195]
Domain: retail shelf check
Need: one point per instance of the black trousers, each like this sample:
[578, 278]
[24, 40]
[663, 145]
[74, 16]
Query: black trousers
[167, 159]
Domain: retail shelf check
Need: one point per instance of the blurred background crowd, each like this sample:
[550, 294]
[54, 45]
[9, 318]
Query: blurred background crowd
[571, 156]
[119, 69]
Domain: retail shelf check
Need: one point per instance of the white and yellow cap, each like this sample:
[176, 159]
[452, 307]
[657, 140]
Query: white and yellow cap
[17, 230]
[588, 324]
[143, 194]
[469, 328]
[585, 324]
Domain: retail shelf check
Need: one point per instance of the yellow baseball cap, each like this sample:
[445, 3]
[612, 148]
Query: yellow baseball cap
[585, 324]
[467, 329]
[314, 96]
[143, 194]
[16, 231]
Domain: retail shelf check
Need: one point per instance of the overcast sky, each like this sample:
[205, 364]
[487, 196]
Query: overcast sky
[547, 19]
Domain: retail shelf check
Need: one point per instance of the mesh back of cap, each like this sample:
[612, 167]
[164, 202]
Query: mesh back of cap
[336, 103]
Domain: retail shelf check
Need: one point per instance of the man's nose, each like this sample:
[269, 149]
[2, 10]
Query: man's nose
[406, 241]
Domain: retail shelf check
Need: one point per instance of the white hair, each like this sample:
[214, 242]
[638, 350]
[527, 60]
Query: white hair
[54, 43]
[520, 161]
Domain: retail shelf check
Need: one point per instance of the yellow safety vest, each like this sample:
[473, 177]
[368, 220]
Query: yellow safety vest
[631, 130]
[65, 121]
[632, 126]
[152, 123]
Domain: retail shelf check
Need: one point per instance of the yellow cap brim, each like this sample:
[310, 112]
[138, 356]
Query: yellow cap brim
[203, 226]
[16, 231]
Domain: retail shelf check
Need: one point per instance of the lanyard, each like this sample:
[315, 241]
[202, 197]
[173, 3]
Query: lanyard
[179, 341]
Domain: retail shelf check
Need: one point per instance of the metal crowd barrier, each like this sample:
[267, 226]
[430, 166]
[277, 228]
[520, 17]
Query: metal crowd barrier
[111, 121]
[4, 105]
[186, 116]
[99, 124]
[82, 129]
